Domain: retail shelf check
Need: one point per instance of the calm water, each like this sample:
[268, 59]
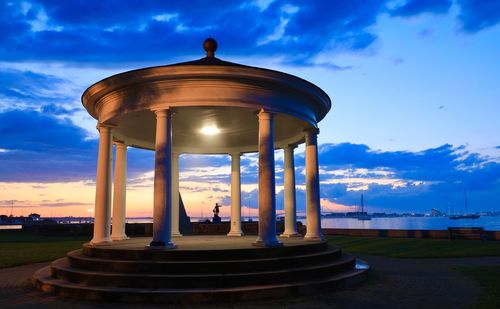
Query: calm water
[412, 223]
[404, 223]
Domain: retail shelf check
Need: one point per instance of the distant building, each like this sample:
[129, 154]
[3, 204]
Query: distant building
[436, 213]
[34, 217]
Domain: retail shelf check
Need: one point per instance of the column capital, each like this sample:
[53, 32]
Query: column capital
[290, 147]
[311, 136]
[120, 144]
[163, 113]
[310, 131]
[235, 154]
[265, 115]
[105, 127]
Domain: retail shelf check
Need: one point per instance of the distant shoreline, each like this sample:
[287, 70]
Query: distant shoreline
[490, 223]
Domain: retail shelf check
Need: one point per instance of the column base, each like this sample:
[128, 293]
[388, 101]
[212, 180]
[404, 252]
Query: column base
[176, 234]
[235, 233]
[314, 237]
[288, 235]
[266, 244]
[97, 242]
[120, 237]
[161, 245]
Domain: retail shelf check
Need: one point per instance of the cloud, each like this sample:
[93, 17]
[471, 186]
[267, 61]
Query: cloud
[391, 180]
[415, 7]
[138, 31]
[297, 32]
[426, 32]
[429, 162]
[435, 164]
[32, 204]
[478, 15]
[404, 180]
[30, 90]
[43, 148]
[58, 110]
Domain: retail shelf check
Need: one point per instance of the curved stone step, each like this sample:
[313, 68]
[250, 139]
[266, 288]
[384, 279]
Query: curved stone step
[43, 281]
[117, 253]
[62, 269]
[78, 260]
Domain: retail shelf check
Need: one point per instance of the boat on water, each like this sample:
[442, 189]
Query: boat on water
[362, 215]
[465, 215]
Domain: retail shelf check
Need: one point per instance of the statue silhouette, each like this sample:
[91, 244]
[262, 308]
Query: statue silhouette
[216, 209]
[216, 218]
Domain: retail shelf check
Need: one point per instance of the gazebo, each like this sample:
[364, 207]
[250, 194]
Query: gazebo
[207, 106]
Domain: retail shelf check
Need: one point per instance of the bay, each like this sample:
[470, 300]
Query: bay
[489, 223]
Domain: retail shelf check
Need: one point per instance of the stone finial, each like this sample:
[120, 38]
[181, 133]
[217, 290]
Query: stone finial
[210, 46]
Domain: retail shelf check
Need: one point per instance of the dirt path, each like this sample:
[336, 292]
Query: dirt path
[392, 283]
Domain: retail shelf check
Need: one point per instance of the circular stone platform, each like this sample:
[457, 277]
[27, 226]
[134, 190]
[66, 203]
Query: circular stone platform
[202, 269]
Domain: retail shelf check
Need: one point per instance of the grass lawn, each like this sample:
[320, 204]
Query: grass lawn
[417, 248]
[18, 248]
[489, 279]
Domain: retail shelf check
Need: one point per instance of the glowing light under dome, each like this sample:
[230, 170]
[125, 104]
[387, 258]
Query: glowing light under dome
[210, 130]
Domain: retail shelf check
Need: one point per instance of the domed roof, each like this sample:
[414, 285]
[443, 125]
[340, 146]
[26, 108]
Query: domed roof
[208, 91]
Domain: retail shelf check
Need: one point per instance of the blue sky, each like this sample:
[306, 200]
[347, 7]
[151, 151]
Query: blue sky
[414, 86]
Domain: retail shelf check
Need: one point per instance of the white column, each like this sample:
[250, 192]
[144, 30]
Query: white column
[120, 192]
[175, 195]
[289, 194]
[267, 191]
[313, 210]
[102, 213]
[235, 196]
[162, 211]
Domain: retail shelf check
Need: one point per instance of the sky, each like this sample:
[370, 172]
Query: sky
[415, 89]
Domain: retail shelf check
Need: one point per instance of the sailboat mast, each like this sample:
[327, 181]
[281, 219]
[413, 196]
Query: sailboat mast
[465, 202]
[362, 204]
